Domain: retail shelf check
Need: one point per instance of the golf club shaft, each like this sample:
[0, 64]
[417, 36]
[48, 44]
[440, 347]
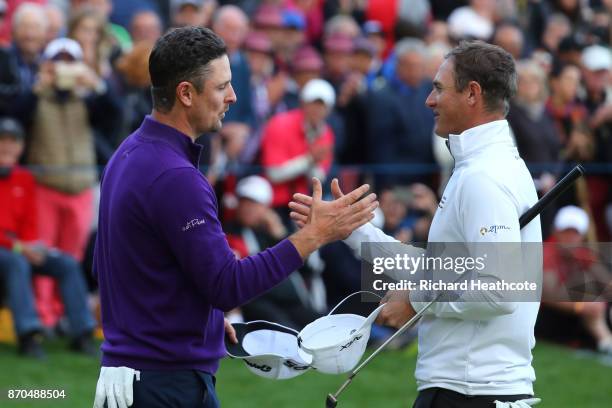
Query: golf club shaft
[554, 192]
[399, 331]
[525, 219]
[402, 329]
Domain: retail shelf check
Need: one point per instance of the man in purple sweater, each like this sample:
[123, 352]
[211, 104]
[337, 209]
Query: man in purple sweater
[165, 270]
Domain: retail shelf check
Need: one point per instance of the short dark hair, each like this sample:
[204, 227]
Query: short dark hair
[489, 65]
[180, 55]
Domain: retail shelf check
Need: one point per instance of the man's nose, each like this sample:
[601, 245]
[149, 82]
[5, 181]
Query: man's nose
[231, 98]
[430, 101]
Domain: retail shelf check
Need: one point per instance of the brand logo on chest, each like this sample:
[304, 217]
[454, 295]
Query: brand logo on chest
[193, 223]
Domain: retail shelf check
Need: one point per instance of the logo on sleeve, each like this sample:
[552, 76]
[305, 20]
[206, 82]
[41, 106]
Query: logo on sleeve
[493, 229]
[193, 223]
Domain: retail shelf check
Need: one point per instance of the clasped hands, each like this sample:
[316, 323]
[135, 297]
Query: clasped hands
[398, 309]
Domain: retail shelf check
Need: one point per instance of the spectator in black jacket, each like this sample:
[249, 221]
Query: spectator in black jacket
[535, 132]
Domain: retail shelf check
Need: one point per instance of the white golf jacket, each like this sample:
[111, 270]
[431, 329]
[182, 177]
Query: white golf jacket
[484, 347]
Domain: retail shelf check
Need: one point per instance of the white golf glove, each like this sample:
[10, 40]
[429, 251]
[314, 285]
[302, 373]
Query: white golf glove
[526, 403]
[115, 387]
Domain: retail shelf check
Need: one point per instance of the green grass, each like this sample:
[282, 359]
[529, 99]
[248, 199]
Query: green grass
[566, 379]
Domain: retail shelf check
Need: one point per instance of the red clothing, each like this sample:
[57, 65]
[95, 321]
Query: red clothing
[284, 139]
[18, 212]
[386, 13]
[564, 262]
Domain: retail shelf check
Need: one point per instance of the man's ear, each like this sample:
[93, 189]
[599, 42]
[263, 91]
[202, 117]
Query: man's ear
[474, 93]
[185, 92]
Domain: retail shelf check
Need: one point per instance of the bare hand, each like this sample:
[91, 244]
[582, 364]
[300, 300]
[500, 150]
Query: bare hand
[397, 310]
[580, 145]
[46, 76]
[33, 254]
[87, 78]
[301, 205]
[230, 332]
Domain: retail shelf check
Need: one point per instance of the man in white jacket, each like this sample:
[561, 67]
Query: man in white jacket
[470, 353]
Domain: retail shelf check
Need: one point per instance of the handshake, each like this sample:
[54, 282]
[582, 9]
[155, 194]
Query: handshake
[322, 222]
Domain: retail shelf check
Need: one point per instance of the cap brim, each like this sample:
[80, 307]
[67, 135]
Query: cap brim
[268, 345]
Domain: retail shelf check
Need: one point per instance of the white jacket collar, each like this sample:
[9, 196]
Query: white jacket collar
[478, 138]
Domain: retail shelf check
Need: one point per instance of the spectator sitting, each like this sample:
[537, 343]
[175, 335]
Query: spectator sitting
[22, 254]
[298, 145]
[568, 265]
[257, 227]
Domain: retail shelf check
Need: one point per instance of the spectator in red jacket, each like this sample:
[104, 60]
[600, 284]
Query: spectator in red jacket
[570, 268]
[21, 255]
[298, 144]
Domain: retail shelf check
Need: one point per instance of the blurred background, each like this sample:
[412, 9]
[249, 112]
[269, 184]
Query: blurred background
[74, 83]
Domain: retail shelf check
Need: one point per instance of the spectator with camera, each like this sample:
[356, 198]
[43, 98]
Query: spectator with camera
[62, 150]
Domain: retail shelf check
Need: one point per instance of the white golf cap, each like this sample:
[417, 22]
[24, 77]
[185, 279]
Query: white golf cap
[319, 90]
[336, 343]
[268, 349]
[572, 217]
[255, 188]
[596, 58]
[63, 45]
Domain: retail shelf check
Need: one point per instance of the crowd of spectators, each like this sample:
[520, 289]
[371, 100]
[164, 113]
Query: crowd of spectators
[326, 88]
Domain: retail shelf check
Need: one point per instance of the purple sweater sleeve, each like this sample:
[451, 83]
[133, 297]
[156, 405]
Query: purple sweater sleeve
[184, 210]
